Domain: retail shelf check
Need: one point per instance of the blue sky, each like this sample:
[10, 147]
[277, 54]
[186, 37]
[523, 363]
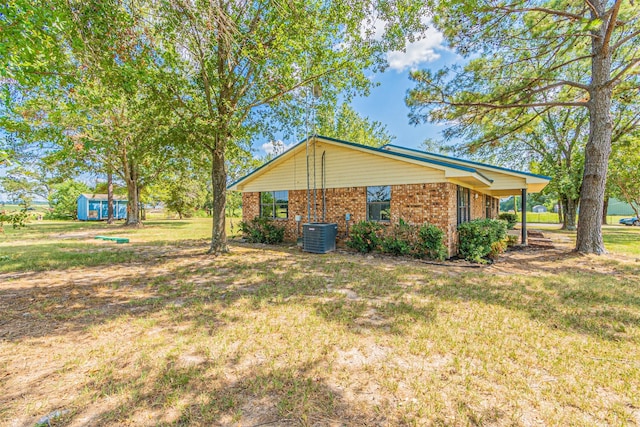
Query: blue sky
[386, 103]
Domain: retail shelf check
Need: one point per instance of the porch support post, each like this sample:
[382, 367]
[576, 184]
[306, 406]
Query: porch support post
[523, 211]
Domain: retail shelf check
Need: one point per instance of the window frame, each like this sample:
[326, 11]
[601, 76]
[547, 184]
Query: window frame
[380, 203]
[276, 205]
[488, 206]
[463, 209]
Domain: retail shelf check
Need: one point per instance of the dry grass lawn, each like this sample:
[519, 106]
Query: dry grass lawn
[158, 333]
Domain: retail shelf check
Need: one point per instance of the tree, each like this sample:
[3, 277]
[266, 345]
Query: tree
[551, 143]
[64, 199]
[543, 55]
[229, 70]
[346, 124]
[185, 194]
[235, 69]
[624, 171]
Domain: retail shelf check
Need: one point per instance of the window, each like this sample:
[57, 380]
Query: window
[464, 205]
[490, 206]
[379, 203]
[274, 204]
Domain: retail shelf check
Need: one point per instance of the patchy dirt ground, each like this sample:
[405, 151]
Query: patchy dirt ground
[271, 336]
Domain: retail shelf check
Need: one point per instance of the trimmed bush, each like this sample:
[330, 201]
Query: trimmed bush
[364, 236]
[430, 243]
[482, 238]
[262, 230]
[424, 241]
[511, 219]
[398, 239]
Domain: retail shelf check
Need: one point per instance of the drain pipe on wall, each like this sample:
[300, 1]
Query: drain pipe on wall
[324, 187]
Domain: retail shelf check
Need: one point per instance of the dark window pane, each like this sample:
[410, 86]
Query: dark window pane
[374, 212]
[385, 211]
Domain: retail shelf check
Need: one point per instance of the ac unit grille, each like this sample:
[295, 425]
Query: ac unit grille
[319, 237]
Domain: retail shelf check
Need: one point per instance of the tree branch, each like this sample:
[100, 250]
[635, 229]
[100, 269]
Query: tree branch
[610, 26]
[633, 63]
[625, 39]
[553, 12]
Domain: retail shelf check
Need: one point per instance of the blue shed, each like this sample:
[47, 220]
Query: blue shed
[95, 207]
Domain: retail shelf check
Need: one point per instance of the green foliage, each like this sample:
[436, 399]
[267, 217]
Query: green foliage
[510, 218]
[262, 230]
[234, 203]
[511, 240]
[430, 243]
[345, 123]
[16, 219]
[365, 236]
[481, 238]
[398, 239]
[184, 195]
[624, 170]
[402, 239]
[63, 200]
[558, 118]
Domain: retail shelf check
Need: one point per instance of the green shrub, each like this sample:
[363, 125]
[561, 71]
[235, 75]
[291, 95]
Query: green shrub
[430, 243]
[478, 239]
[364, 236]
[512, 240]
[398, 239]
[511, 219]
[262, 230]
[424, 241]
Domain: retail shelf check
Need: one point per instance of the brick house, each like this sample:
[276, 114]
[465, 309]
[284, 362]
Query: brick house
[347, 180]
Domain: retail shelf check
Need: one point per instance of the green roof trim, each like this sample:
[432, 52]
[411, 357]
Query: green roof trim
[470, 162]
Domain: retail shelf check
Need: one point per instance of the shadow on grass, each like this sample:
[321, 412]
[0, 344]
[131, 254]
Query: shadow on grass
[591, 304]
[338, 288]
[265, 395]
[341, 289]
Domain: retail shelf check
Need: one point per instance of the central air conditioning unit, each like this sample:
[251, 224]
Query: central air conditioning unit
[319, 237]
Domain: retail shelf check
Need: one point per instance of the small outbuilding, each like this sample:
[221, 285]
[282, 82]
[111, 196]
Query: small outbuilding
[539, 209]
[95, 207]
[332, 181]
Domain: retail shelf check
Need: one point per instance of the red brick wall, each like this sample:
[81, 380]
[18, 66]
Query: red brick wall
[477, 205]
[432, 203]
[250, 206]
[413, 203]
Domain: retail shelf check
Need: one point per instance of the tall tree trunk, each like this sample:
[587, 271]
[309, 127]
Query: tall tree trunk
[598, 148]
[133, 207]
[570, 213]
[561, 212]
[219, 190]
[604, 209]
[109, 197]
[141, 210]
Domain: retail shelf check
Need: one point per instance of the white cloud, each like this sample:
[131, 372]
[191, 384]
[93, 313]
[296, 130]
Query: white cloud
[276, 147]
[418, 52]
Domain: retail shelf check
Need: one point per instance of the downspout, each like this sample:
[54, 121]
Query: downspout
[324, 189]
[315, 187]
[523, 210]
[308, 184]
